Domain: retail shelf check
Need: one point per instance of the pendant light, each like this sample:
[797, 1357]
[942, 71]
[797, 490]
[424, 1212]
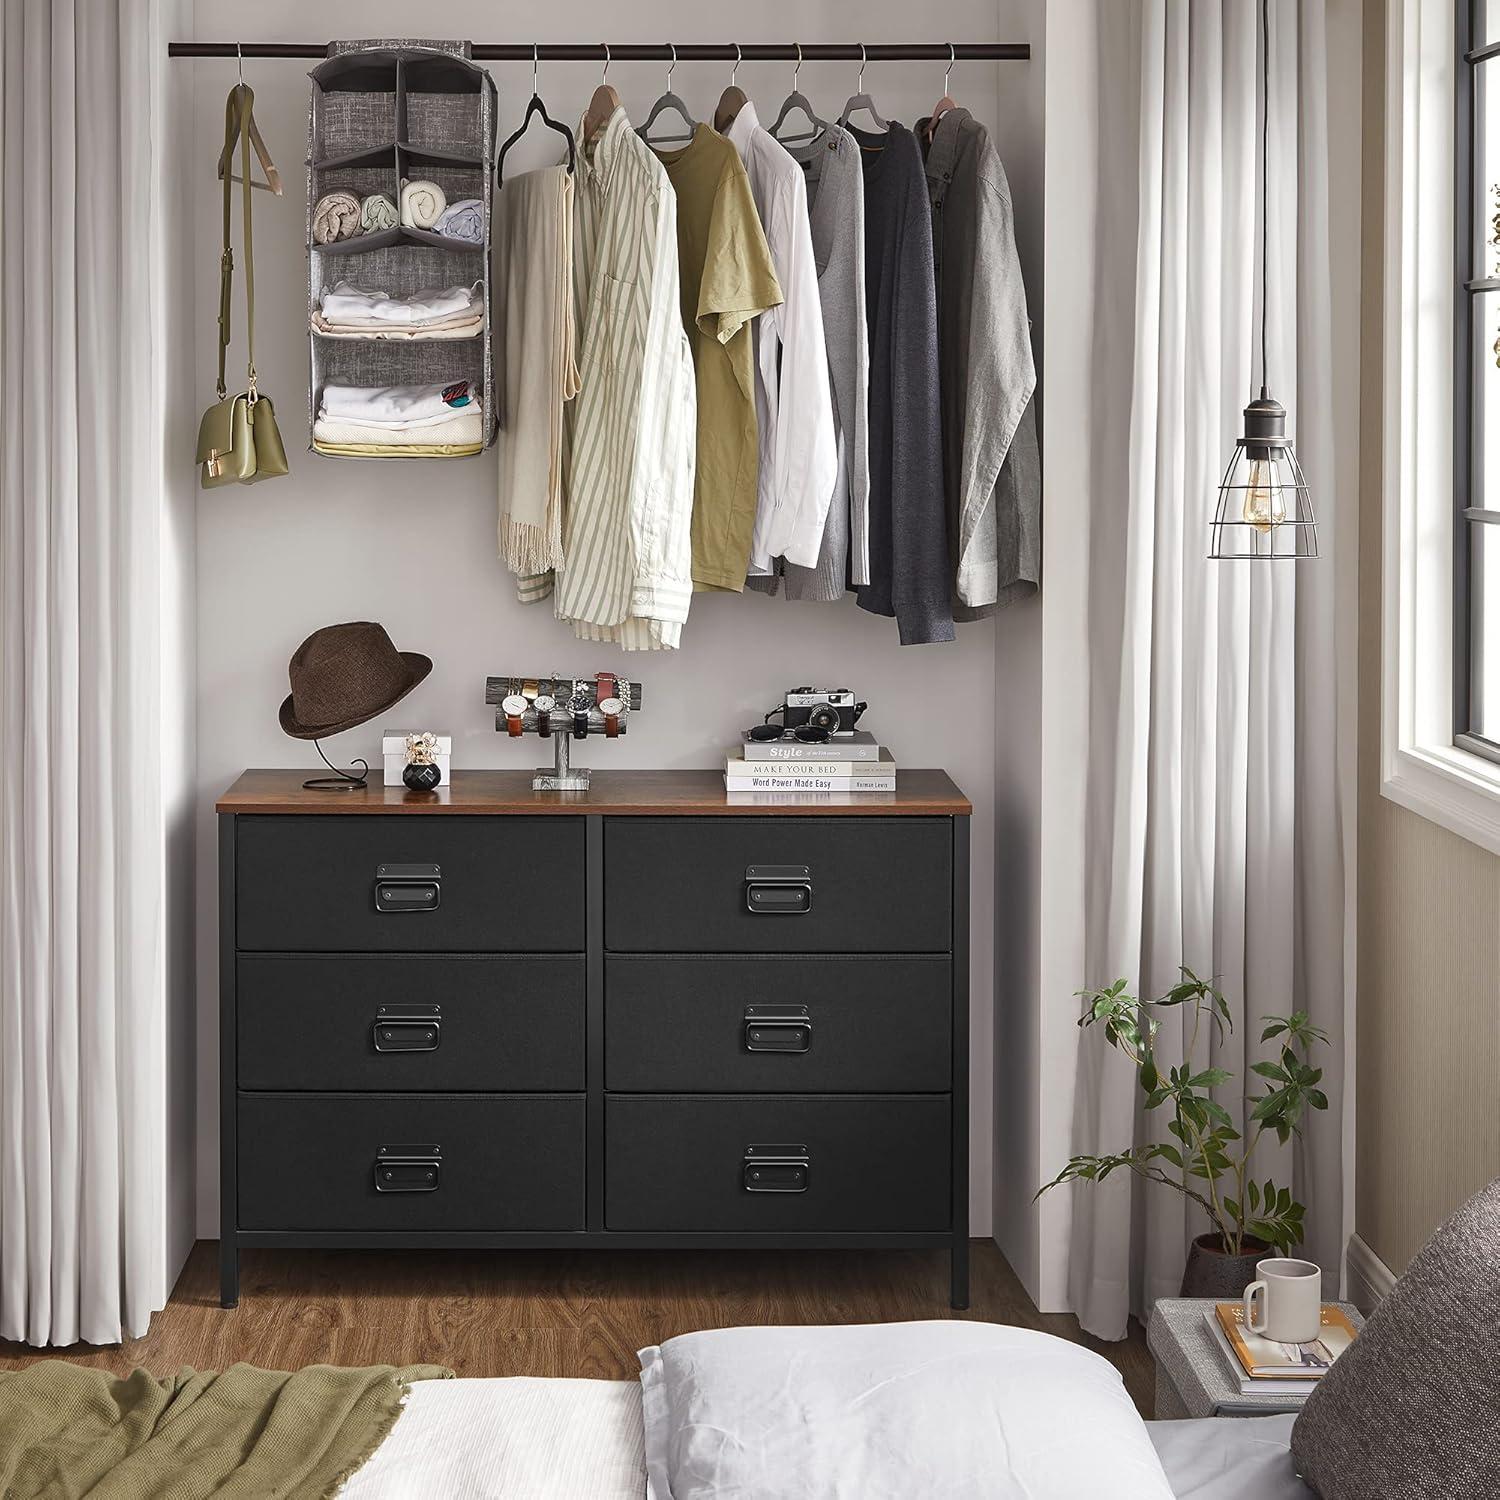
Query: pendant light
[1264, 511]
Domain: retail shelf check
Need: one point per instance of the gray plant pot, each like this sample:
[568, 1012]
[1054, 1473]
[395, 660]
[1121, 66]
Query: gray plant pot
[1211, 1273]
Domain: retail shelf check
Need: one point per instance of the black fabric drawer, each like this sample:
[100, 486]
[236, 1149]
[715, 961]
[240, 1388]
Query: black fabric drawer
[678, 885]
[308, 1161]
[873, 1025]
[873, 1163]
[506, 884]
[506, 1025]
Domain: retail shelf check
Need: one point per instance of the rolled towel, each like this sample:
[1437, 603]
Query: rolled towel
[335, 217]
[422, 204]
[463, 220]
[377, 212]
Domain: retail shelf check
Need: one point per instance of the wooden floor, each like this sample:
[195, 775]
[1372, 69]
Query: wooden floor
[582, 1312]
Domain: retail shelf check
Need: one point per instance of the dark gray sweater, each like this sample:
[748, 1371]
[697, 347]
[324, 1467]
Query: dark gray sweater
[909, 575]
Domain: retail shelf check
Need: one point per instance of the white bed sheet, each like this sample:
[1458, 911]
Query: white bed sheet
[512, 1439]
[533, 1439]
[1229, 1458]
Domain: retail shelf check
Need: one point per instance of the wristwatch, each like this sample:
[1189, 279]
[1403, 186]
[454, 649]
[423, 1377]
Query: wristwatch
[606, 685]
[611, 708]
[529, 688]
[514, 707]
[544, 705]
[580, 707]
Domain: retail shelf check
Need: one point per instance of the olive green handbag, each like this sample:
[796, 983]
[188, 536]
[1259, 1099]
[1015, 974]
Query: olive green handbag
[238, 441]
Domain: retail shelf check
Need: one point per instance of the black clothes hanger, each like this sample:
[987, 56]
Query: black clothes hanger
[797, 100]
[668, 100]
[534, 106]
[859, 100]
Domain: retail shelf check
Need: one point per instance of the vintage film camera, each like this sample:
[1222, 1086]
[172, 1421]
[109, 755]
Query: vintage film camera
[833, 709]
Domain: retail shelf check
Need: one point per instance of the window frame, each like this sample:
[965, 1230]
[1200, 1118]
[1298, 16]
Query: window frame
[1426, 765]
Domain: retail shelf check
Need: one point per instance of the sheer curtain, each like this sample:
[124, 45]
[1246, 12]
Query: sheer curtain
[1212, 829]
[82, 868]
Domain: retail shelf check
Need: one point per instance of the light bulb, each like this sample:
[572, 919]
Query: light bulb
[1264, 506]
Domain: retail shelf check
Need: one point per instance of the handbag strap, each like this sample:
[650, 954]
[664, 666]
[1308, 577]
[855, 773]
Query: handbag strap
[238, 117]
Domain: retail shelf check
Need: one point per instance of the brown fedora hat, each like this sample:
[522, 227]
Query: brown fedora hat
[343, 675]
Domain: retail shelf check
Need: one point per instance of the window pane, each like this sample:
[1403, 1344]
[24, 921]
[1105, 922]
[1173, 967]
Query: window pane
[1484, 638]
[1486, 251]
[1482, 487]
[1486, 23]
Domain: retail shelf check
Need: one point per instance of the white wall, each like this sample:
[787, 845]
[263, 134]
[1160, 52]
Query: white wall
[414, 547]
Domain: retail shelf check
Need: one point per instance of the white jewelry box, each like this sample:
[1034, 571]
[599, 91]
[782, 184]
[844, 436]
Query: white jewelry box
[393, 748]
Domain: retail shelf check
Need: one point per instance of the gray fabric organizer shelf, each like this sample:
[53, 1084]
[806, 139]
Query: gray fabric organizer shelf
[382, 112]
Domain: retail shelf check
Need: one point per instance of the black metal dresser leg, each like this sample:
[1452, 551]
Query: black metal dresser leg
[229, 1272]
[958, 1286]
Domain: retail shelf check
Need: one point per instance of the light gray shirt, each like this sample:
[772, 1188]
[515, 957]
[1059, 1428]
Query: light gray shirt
[991, 470]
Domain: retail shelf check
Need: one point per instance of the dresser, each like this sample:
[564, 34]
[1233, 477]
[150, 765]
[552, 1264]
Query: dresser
[651, 1014]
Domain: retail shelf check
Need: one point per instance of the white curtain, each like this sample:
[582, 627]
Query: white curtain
[82, 966]
[1213, 829]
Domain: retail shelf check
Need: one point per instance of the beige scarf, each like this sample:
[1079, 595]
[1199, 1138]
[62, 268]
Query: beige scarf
[539, 368]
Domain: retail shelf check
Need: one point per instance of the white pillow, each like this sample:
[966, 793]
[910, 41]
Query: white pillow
[893, 1409]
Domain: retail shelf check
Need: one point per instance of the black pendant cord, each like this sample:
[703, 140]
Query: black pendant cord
[1265, 178]
[340, 781]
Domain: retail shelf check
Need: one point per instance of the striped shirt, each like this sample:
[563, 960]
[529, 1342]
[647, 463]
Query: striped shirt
[630, 445]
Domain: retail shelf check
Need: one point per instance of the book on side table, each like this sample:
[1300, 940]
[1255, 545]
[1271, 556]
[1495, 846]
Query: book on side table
[1261, 1365]
[851, 764]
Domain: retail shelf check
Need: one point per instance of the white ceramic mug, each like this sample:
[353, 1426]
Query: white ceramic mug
[1291, 1298]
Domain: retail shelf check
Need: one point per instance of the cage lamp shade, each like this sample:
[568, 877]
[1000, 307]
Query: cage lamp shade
[1264, 512]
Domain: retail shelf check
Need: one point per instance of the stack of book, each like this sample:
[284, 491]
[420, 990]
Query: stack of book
[1262, 1367]
[848, 763]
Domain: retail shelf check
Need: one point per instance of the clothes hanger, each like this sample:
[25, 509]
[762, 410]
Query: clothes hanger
[246, 104]
[604, 103]
[668, 100]
[944, 104]
[534, 107]
[798, 100]
[732, 100]
[859, 100]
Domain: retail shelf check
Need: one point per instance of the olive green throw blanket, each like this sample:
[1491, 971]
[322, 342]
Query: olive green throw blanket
[67, 1432]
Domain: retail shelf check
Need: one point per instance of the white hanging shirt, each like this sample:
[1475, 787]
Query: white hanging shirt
[798, 454]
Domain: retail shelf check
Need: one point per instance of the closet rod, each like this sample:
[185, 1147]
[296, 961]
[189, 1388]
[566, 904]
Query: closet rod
[873, 52]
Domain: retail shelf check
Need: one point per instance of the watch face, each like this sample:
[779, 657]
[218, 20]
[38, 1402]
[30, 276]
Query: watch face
[611, 707]
[581, 701]
[514, 706]
[545, 704]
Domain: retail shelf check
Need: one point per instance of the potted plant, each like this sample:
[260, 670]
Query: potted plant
[1207, 1159]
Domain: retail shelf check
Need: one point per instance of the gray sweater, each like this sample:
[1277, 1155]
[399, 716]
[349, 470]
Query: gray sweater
[909, 574]
[836, 204]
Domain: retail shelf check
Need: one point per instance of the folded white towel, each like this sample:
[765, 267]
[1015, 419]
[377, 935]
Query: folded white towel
[377, 212]
[460, 326]
[422, 203]
[350, 304]
[397, 405]
[460, 429]
[335, 217]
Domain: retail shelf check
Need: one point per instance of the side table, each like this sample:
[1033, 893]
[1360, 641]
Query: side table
[1192, 1375]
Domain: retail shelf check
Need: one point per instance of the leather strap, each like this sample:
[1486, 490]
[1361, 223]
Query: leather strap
[606, 685]
[238, 124]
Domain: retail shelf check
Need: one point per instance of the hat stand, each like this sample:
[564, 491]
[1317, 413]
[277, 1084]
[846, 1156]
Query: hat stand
[340, 781]
[562, 775]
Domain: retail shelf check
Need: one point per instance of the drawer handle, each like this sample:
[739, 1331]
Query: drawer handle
[408, 887]
[781, 1028]
[778, 890]
[416, 1028]
[775, 1169]
[408, 1169]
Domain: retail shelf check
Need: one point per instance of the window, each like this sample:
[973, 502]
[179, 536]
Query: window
[1476, 387]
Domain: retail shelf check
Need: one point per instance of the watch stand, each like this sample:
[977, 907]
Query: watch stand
[577, 710]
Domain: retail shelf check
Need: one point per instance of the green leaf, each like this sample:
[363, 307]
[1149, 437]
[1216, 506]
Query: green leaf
[1269, 1070]
[1171, 1154]
[1317, 1098]
[1210, 1078]
[1149, 1076]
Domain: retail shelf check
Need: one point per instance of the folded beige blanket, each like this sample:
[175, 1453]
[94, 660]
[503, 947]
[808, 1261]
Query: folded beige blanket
[461, 429]
[539, 370]
[422, 203]
[335, 217]
[464, 326]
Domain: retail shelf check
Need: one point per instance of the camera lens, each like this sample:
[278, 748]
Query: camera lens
[824, 716]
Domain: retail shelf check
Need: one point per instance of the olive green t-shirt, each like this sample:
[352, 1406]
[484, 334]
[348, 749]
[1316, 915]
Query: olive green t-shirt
[727, 279]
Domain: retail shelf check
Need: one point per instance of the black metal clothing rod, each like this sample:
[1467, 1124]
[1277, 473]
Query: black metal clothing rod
[873, 52]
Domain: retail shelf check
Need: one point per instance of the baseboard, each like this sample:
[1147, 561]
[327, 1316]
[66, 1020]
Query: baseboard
[1370, 1279]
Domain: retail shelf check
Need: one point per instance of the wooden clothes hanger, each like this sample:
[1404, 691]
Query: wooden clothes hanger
[732, 100]
[798, 100]
[944, 104]
[604, 103]
[246, 106]
[534, 106]
[859, 100]
[668, 100]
